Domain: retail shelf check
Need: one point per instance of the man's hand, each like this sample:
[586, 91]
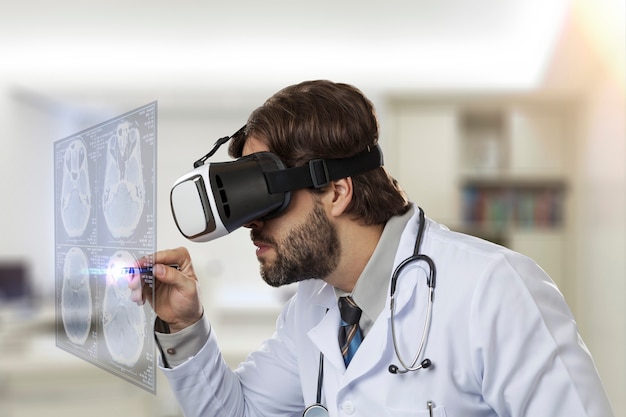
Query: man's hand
[177, 298]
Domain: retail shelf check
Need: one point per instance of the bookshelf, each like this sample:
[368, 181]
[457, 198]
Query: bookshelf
[502, 204]
[501, 191]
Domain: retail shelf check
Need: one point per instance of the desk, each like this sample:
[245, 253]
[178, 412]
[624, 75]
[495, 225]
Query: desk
[38, 379]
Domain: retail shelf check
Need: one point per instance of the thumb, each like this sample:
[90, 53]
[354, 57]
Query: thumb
[166, 274]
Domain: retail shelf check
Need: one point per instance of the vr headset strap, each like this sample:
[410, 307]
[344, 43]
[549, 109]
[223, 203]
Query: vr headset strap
[319, 173]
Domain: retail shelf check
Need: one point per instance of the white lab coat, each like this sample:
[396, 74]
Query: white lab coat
[502, 343]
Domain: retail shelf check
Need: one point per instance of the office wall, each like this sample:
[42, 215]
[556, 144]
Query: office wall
[600, 240]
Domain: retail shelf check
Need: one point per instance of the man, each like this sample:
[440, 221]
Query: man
[497, 340]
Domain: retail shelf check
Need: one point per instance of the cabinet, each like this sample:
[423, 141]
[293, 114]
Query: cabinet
[493, 167]
[513, 169]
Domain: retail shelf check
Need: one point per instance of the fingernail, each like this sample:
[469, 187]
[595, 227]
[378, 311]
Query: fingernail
[159, 270]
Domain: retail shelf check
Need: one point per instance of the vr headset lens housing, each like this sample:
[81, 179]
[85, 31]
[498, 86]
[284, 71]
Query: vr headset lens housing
[216, 198]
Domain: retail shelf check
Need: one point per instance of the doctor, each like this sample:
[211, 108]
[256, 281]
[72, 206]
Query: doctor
[475, 330]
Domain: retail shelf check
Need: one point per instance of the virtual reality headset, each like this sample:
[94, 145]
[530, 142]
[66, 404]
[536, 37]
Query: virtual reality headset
[214, 199]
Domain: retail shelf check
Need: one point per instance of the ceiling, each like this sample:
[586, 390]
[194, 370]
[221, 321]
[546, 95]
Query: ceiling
[420, 45]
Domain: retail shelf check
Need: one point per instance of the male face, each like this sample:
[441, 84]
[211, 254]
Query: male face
[299, 244]
[307, 250]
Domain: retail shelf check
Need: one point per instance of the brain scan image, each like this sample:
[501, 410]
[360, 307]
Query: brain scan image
[124, 190]
[104, 222]
[75, 189]
[123, 320]
[76, 304]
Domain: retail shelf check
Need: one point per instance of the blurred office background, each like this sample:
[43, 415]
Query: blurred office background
[502, 118]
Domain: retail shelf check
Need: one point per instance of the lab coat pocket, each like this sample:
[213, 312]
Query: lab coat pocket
[425, 412]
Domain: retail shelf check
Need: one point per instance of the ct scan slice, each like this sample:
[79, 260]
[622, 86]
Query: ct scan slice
[123, 322]
[75, 189]
[124, 195]
[76, 303]
[105, 214]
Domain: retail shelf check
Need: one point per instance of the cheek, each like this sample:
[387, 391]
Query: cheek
[279, 232]
[298, 210]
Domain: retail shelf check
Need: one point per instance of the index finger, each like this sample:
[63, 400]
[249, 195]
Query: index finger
[178, 256]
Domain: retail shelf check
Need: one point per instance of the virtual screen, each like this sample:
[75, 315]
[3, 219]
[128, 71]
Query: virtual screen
[105, 212]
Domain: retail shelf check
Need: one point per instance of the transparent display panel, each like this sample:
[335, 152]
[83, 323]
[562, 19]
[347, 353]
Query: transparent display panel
[105, 222]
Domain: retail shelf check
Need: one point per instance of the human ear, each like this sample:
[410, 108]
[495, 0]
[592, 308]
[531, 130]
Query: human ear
[341, 195]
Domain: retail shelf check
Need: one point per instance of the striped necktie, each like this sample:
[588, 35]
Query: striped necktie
[350, 335]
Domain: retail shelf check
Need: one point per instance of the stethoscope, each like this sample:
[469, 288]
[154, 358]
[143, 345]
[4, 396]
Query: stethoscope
[317, 409]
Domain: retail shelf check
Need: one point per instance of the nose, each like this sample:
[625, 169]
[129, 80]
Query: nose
[254, 224]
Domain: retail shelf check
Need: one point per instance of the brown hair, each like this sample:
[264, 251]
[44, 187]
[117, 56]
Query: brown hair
[322, 119]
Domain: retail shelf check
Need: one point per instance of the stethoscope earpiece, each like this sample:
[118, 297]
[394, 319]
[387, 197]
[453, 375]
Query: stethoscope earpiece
[425, 364]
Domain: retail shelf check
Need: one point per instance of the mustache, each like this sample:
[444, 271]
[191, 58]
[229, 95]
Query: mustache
[257, 236]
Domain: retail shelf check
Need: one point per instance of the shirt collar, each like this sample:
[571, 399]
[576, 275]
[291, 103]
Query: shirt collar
[370, 290]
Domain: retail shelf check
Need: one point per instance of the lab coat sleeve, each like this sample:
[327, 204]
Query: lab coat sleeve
[266, 384]
[176, 348]
[204, 385]
[269, 377]
[528, 354]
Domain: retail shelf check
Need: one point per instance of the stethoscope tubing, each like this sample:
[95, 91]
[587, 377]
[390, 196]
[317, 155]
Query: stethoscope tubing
[412, 366]
[431, 281]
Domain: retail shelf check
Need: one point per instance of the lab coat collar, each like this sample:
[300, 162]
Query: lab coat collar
[371, 289]
[407, 279]
[321, 294]
[324, 335]
[371, 351]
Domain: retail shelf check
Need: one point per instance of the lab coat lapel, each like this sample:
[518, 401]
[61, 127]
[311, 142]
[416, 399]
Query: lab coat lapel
[372, 350]
[324, 335]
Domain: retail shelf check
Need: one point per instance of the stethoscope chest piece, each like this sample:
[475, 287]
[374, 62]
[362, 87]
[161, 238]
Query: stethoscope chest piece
[315, 410]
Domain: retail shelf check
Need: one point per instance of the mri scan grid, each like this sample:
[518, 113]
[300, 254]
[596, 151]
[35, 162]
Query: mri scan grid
[105, 213]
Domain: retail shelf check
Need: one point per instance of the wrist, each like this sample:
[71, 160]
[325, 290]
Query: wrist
[161, 326]
[177, 326]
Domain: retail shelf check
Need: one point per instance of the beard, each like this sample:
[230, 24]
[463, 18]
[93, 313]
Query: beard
[311, 250]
